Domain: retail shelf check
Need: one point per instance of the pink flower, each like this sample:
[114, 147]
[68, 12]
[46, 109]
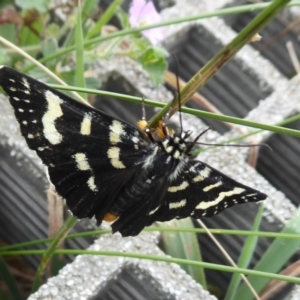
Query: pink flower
[143, 13]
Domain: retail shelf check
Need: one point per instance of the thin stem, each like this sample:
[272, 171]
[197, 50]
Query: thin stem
[68, 225]
[219, 60]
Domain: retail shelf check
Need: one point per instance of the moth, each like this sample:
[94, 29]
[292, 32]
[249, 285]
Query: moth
[108, 169]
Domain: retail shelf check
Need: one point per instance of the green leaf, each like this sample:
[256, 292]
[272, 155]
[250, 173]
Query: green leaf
[154, 62]
[53, 29]
[5, 59]
[184, 245]
[9, 280]
[49, 252]
[39, 5]
[246, 255]
[56, 264]
[104, 19]
[8, 31]
[31, 35]
[92, 82]
[49, 46]
[87, 10]
[4, 296]
[276, 256]
[4, 3]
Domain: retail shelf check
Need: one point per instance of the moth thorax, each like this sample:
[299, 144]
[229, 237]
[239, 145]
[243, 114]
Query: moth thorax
[174, 146]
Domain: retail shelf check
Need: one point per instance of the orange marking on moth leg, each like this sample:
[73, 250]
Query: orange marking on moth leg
[110, 217]
[142, 124]
[162, 131]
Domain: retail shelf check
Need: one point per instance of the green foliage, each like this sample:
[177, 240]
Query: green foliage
[8, 31]
[276, 256]
[154, 62]
[4, 3]
[39, 31]
[184, 245]
[39, 5]
[4, 57]
[54, 43]
[49, 46]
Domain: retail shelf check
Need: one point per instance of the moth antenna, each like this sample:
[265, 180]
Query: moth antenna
[201, 133]
[179, 106]
[235, 145]
[192, 144]
[165, 120]
[143, 124]
[143, 109]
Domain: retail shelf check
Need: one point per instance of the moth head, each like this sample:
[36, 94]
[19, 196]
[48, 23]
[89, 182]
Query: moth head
[160, 132]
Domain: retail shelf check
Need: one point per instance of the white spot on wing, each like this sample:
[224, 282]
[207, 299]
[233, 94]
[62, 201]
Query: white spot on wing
[202, 174]
[212, 186]
[150, 158]
[154, 210]
[116, 130]
[251, 195]
[54, 111]
[182, 186]
[114, 156]
[16, 98]
[174, 205]
[205, 173]
[91, 184]
[21, 110]
[221, 197]
[26, 84]
[82, 162]
[86, 125]
[135, 139]
[30, 136]
[198, 178]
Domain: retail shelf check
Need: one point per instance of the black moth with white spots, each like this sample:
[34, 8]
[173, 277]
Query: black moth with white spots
[107, 169]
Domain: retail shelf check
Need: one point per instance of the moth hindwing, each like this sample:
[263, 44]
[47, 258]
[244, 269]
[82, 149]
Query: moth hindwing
[107, 169]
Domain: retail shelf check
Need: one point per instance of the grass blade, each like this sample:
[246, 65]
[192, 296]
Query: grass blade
[277, 255]
[246, 255]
